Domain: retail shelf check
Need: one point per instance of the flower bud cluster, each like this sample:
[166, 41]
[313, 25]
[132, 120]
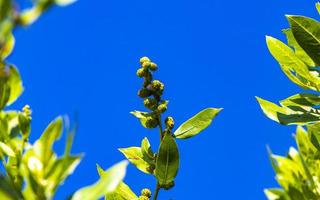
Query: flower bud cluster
[151, 92]
[145, 194]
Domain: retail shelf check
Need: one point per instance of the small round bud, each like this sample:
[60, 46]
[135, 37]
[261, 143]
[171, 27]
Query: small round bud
[141, 72]
[169, 122]
[157, 85]
[162, 107]
[144, 59]
[150, 103]
[146, 192]
[143, 93]
[153, 66]
[27, 111]
[143, 198]
[151, 122]
[146, 65]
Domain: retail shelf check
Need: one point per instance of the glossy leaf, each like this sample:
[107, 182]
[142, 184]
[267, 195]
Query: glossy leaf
[300, 53]
[142, 116]
[296, 70]
[286, 116]
[7, 47]
[108, 183]
[167, 163]
[309, 100]
[135, 156]
[64, 2]
[5, 149]
[197, 123]
[318, 7]
[306, 31]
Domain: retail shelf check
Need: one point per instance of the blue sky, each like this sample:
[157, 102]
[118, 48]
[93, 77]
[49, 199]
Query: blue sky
[211, 53]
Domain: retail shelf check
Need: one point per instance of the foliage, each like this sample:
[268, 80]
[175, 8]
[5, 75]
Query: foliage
[163, 164]
[34, 171]
[298, 173]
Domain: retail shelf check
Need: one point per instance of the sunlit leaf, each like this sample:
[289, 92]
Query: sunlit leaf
[135, 156]
[108, 183]
[197, 123]
[306, 31]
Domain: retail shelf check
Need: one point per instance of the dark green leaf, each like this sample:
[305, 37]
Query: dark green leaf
[167, 163]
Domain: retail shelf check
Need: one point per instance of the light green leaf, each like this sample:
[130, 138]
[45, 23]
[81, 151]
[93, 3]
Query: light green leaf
[43, 146]
[7, 190]
[4, 92]
[167, 164]
[197, 123]
[296, 70]
[135, 156]
[64, 2]
[15, 84]
[108, 183]
[6, 150]
[147, 152]
[318, 7]
[306, 31]
[285, 115]
[142, 116]
[276, 194]
[123, 191]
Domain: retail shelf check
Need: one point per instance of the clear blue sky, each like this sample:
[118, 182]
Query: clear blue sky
[211, 53]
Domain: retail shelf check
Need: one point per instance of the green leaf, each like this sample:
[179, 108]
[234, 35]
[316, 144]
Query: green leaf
[43, 146]
[306, 31]
[298, 50]
[108, 183]
[5, 149]
[276, 194]
[309, 100]
[7, 47]
[123, 191]
[64, 2]
[295, 69]
[167, 163]
[4, 92]
[15, 84]
[147, 152]
[135, 156]
[286, 116]
[318, 7]
[142, 116]
[7, 190]
[197, 123]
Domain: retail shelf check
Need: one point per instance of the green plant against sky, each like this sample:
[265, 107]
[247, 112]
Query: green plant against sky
[35, 171]
[164, 163]
[298, 173]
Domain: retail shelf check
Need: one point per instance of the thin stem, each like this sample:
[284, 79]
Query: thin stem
[155, 196]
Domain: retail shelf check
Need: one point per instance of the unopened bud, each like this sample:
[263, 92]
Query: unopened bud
[153, 66]
[151, 122]
[150, 103]
[157, 85]
[144, 93]
[144, 59]
[162, 107]
[146, 192]
[169, 122]
[141, 72]
[146, 65]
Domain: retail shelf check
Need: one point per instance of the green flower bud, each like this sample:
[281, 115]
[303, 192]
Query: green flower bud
[143, 198]
[150, 103]
[141, 72]
[144, 59]
[151, 122]
[144, 93]
[146, 65]
[153, 66]
[24, 118]
[169, 122]
[162, 107]
[157, 85]
[146, 192]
